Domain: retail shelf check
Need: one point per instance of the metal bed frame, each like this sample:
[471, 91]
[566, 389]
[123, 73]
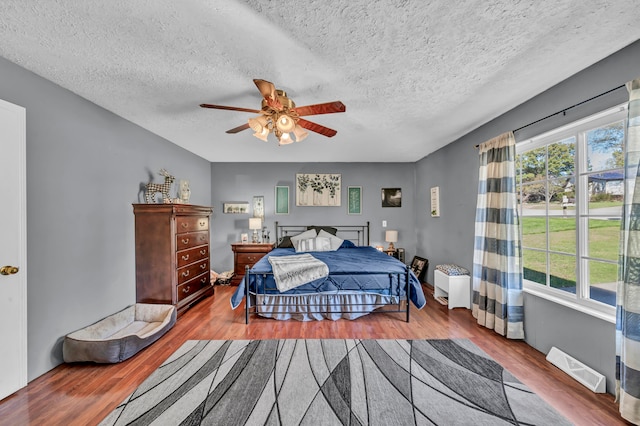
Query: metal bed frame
[359, 235]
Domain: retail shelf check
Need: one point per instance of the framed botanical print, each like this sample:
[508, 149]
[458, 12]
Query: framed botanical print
[318, 189]
[258, 206]
[354, 200]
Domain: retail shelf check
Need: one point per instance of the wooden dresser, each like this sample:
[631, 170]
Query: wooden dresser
[246, 255]
[172, 254]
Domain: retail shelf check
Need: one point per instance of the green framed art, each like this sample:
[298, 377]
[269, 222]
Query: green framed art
[282, 200]
[354, 197]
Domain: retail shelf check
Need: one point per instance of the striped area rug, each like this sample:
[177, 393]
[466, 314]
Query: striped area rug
[332, 382]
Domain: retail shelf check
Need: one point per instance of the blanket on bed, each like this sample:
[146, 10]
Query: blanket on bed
[293, 271]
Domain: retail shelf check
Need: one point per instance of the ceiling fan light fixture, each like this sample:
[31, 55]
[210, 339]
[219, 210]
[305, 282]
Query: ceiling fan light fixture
[262, 135]
[285, 139]
[258, 124]
[280, 116]
[285, 123]
[300, 133]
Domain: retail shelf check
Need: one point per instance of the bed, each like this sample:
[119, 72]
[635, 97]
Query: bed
[356, 280]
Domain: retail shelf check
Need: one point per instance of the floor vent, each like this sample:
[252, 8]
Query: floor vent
[582, 373]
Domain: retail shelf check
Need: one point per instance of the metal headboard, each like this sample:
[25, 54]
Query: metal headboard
[357, 234]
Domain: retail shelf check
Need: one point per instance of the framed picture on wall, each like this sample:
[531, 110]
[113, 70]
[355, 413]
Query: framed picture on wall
[258, 206]
[354, 200]
[235, 207]
[282, 200]
[318, 189]
[391, 197]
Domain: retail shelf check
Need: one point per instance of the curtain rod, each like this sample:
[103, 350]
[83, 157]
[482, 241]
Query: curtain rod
[566, 109]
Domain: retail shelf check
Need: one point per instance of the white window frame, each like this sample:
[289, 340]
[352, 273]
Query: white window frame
[576, 129]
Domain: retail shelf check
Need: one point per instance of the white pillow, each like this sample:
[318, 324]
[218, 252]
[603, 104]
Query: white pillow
[336, 242]
[296, 239]
[314, 244]
[322, 244]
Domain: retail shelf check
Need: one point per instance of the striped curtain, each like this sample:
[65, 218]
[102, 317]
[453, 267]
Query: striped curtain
[628, 296]
[497, 256]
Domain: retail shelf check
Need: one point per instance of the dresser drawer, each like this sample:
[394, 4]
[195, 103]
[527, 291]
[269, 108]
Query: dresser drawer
[186, 257]
[191, 287]
[191, 271]
[191, 239]
[248, 258]
[191, 223]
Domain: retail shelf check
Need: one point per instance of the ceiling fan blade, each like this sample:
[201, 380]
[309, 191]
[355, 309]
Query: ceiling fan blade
[315, 127]
[238, 129]
[268, 92]
[266, 88]
[257, 111]
[326, 108]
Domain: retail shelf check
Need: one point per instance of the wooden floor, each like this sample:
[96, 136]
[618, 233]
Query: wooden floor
[83, 394]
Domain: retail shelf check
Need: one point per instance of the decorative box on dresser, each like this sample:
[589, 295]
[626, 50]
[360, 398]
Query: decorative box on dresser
[172, 254]
[246, 254]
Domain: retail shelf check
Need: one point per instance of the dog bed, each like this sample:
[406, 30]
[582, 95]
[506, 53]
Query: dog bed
[119, 336]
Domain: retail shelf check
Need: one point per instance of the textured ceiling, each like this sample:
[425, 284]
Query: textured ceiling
[414, 75]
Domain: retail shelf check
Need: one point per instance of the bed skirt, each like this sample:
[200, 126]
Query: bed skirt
[320, 306]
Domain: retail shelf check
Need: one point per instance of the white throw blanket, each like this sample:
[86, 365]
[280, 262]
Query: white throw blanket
[295, 270]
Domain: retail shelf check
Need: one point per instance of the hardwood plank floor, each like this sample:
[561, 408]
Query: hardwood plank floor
[83, 394]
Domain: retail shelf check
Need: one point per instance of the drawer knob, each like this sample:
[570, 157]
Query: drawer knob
[185, 225]
[203, 223]
[185, 257]
[185, 274]
[203, 266]
[203, 252]
[186, 290]
[202, 237]
[185, 241]
[203, 280]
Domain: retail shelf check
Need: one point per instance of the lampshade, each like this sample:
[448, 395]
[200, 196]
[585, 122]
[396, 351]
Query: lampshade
[285, 123]
[300, 133]
[285, 139]
[258, 124]
[262, 135]
[255, 223]
[391, 236]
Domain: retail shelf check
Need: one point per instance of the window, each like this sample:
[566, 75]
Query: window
[570, 197]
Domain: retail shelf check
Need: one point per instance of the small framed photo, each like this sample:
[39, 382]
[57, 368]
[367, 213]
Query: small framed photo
[282, 200]
[354, 198]
[419, 266]
[244, 238]
[236, 207]
[391, 197]
[258, 206]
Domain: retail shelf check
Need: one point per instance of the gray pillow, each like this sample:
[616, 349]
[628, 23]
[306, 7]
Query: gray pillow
[329, 229]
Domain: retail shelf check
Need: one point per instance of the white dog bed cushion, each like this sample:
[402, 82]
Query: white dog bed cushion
[121, 335]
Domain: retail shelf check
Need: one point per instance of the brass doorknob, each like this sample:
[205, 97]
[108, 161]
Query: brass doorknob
[9, 270]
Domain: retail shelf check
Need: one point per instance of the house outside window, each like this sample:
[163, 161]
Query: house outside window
[570, 198]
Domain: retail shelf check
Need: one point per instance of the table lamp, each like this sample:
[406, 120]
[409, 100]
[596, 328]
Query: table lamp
[255, 223]
[391, 237]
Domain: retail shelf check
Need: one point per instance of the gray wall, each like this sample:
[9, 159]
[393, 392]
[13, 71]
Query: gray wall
[242, 181]
[455, 169]
[85, 166]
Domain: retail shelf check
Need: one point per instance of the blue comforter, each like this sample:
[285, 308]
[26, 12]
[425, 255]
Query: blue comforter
[350, 269]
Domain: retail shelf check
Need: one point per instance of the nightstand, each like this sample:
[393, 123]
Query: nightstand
[398, 253]
[247, 255]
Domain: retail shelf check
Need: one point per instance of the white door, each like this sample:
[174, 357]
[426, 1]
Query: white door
[13, 249]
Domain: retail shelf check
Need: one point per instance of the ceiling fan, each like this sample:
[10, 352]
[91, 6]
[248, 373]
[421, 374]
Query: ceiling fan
[280, 116]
